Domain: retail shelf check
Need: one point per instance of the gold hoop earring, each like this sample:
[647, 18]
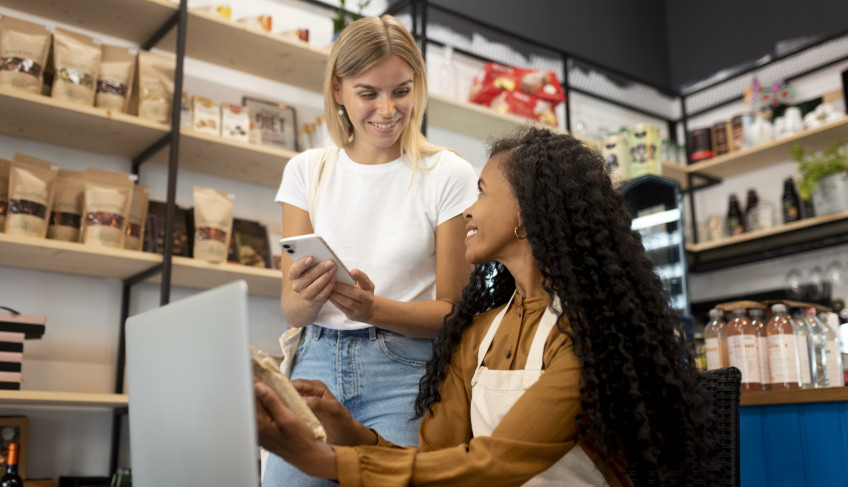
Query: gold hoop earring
[515, 231]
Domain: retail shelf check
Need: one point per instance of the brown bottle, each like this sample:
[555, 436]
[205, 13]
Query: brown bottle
[783, 351]
[743, 348]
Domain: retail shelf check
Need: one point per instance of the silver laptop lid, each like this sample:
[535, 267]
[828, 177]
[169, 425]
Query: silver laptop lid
[191, 417]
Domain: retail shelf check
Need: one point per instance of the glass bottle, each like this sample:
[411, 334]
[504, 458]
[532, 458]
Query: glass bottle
[11, 478]
[802, 340]
[759, 323]
[447, 76]
[751, 210]
[818, 348]
[715, 341]
[791, 202]
[834, 351]
[782, 350]
[734, 222]
[742, 346]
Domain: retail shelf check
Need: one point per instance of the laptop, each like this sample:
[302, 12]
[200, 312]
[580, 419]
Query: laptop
[191, 417]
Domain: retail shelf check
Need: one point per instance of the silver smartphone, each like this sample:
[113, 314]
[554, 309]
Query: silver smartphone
[312, 244]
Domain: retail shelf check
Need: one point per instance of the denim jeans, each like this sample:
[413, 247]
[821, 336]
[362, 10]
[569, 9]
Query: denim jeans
[375, 376]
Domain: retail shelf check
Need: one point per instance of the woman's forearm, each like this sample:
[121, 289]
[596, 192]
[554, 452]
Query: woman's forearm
[421, 319]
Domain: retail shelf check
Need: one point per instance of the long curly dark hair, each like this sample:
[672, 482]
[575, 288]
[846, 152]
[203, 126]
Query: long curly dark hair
[639, 389]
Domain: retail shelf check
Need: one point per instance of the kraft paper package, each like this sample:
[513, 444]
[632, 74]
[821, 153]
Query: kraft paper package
[115, 81]
[5, 167]
[213, 223]
[138, 214]
[76, 63]
[31, 183]
[23, 53]
[66, 216]
[155, 87]
[108, 196]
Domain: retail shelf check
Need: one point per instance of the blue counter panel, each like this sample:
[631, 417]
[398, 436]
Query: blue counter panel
[794, 445]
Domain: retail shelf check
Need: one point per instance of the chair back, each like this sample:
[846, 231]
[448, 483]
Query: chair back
[723, 388]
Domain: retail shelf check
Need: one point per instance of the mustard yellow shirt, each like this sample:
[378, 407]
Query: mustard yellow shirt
[538, 430]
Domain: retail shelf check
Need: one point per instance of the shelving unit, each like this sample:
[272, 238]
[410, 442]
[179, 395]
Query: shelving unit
[63, 399]
[797, 396]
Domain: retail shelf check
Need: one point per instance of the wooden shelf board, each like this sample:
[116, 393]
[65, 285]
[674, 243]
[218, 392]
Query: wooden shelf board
[73, 258]
[759, 234]
[675, 171]
[44, 119]
[76, 399]
[194, 273]
[754, 158]
[214, 39]
[133, 20]
[230, 159]
[473, 120]
[797, 396]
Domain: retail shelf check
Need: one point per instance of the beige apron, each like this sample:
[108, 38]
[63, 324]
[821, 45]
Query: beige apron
[493, 392]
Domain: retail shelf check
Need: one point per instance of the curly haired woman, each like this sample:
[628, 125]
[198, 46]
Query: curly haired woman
[561, 363]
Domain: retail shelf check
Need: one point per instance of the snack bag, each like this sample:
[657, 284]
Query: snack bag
[526, 92]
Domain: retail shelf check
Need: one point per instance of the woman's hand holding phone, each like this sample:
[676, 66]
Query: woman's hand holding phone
[313, 283]
[356, 302]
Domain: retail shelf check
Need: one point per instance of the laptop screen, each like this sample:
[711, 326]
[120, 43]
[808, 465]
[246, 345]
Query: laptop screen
[191, 412]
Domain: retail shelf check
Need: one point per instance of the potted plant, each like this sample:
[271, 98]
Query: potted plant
[824, 179]
[344, 17]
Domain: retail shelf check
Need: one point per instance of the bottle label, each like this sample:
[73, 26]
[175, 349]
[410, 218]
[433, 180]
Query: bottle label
[745, 356]
[834, 367]
[713, 354]
[803, 345]
[764, 363]
[783, 359]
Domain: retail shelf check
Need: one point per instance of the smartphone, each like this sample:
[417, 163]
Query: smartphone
[312, 244]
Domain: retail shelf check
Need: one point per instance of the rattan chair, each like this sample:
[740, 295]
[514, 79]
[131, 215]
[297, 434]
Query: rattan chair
[723, 386]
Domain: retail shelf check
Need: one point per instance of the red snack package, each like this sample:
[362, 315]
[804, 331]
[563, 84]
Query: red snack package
[497, 78]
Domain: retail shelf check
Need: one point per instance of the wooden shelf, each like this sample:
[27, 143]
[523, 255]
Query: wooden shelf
[230, 159]
[216, 40]
[87, 260]
[203, 275]
[57, 122]
[754, 158]
[73, 258]
[800, 236]
[675, 171]
[73, 399]
[771, 232]
[474, 120]
[44, 119]
[132, 20]
[797, 396]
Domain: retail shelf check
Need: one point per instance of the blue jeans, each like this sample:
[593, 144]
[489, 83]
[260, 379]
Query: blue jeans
[375, 376]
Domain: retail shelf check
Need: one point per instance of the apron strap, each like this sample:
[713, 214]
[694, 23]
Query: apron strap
[537, 348]
[490, 335]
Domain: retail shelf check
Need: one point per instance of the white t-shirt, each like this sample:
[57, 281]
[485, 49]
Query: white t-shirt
[378, 222]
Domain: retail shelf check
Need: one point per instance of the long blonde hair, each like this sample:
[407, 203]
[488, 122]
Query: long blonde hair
[361, 45]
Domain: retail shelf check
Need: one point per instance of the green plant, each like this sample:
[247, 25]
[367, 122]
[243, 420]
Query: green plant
[344, 18]
[814, 166]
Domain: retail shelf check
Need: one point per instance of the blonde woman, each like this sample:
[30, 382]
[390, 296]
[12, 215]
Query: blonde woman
[391, 208]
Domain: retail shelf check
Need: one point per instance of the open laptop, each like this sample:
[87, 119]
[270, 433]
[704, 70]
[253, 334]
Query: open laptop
[191, 417]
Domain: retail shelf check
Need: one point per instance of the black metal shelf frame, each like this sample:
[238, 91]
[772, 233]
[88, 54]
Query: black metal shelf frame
[828, 56]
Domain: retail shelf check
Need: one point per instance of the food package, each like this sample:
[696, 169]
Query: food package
[154, 87]
[257, 22]
[24, 47]
[117, 72]
[205, 116]
[108, 198]
[76, 65]
[518, 91]
[66, 217]
[235, 122]
[213, 224]
[617, 155]
[643, 143]
[32, 184]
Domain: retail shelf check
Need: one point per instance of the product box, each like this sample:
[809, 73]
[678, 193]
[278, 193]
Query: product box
[643, 144]
[249, 244]
[235, 122]
[616, 153]
[526, 92]
[205, 116]
[154, 232]
[14, 328]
